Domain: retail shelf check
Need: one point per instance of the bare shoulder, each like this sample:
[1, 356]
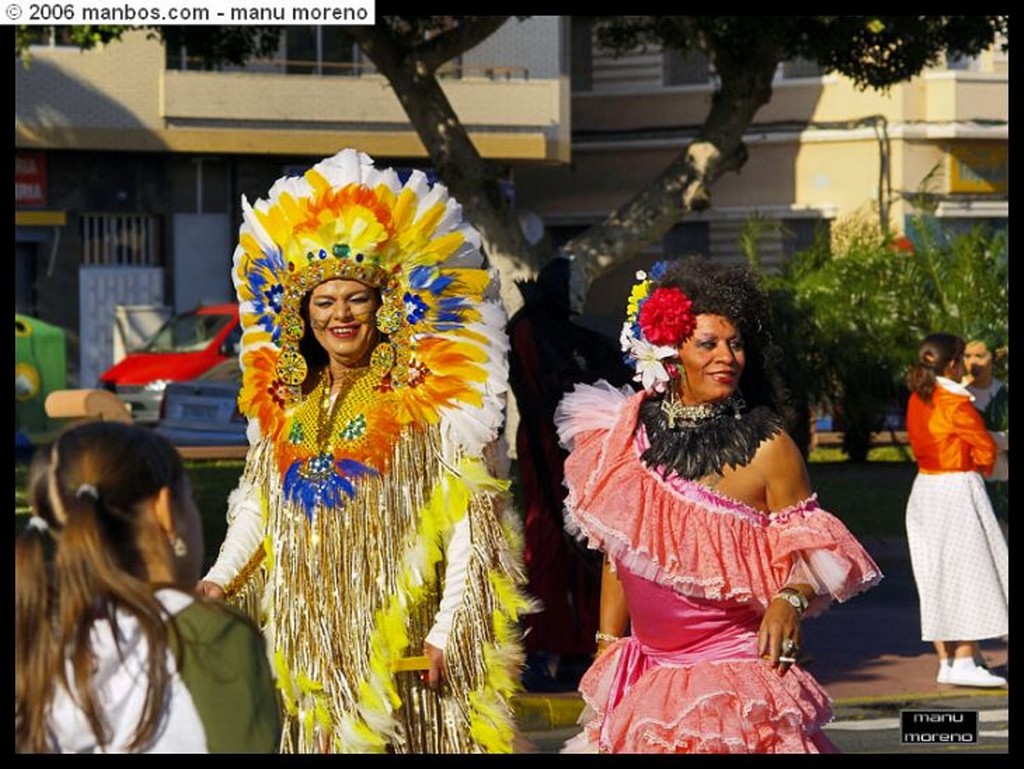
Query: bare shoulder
[782, 466]
[780, 448]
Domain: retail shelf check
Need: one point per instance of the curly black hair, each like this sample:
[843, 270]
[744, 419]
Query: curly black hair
[734, 292]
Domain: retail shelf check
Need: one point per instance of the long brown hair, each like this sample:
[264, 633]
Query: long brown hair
[934, 355]
[97, 474]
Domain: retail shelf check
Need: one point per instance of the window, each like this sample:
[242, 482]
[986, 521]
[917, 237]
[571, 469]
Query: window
[304, 50]
[582, 65]
[188, 332]
[961, 63]
[684, 240]
[799, 67]
[690, 68]
[124, 239]
[321, 50]
[51, 37]
[798, 234]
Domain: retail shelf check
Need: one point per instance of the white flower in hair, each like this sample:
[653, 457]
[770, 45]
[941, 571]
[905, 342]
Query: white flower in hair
[649, 360]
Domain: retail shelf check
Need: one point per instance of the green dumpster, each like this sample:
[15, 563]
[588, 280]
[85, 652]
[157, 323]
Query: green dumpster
[40, 367]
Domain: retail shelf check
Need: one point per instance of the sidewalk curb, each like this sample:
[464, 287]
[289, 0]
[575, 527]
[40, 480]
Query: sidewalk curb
[536, 712]
[911, 698]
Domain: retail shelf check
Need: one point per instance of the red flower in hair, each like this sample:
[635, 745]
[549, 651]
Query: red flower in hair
[666, 317]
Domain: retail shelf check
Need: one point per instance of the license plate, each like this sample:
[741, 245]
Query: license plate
[198, 412]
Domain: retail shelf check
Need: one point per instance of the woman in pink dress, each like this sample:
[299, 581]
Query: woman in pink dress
[715, 547]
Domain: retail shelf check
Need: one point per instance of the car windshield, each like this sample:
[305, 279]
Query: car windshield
[188, 332]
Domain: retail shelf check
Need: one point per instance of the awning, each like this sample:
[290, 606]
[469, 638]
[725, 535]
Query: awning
[40, 218]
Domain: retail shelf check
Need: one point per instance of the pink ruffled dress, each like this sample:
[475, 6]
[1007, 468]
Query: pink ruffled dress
[699, 570]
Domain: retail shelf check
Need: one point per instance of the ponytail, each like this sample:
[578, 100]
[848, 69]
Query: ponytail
[87, 496]
[34, 649]
[934, 355]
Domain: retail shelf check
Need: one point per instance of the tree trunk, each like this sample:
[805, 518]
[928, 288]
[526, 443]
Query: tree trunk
[685, 185]
[469, 179]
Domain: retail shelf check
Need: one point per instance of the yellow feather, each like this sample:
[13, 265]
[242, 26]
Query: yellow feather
[489, 726]
[285, 683]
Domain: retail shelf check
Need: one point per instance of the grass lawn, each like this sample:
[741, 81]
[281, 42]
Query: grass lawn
[870, 498]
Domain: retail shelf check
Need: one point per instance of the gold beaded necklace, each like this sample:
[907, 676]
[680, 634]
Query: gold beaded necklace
[319, 467]
[343, 382]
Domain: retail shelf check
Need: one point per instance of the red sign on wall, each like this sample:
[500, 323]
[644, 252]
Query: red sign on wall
[29, 179]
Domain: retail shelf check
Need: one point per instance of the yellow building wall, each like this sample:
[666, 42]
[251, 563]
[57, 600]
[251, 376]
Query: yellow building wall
[120, 96]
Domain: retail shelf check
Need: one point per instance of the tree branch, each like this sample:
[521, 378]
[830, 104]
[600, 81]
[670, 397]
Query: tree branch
[469, 33]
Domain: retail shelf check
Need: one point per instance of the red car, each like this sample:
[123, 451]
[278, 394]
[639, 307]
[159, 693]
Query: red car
[186, 346]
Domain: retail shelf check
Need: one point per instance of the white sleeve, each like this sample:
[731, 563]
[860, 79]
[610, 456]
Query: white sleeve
[804, 572]
[244, 536]
[1002, 439]
[1001, 469]
[456, 573]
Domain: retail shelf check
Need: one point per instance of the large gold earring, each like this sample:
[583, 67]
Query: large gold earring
[291, 367]
[672, 406]
[292, 325]
[382, 359]
[391, 312]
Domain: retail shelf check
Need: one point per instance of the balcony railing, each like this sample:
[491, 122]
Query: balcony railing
[342, 68]
[124, 239]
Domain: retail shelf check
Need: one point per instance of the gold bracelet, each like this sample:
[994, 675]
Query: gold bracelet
[606, 637]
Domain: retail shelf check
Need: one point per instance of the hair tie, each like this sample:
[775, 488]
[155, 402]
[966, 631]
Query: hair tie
[39, 524]
[88, 490]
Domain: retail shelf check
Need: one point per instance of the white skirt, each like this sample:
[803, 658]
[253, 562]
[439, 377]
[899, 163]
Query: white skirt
[959, 557]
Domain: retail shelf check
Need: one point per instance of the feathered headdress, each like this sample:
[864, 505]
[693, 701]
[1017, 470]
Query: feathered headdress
[442, 324]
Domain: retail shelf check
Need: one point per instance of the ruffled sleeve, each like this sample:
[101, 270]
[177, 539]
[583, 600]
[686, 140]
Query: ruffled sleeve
[588, 408]
[810, 545]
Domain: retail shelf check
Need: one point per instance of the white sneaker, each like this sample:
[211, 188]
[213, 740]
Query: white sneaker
[945, 666]
[972, 675]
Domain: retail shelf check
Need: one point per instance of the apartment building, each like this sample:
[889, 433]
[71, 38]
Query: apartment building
[821, 149]
[130, 161]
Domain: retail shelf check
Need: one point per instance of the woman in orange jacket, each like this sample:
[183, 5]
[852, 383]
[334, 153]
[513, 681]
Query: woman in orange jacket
[957, 552]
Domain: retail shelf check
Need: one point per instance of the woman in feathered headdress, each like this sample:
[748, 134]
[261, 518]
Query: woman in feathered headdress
[368, 531]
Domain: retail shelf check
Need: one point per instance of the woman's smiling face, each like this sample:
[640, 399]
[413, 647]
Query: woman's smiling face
[712, 360]
[342, 315]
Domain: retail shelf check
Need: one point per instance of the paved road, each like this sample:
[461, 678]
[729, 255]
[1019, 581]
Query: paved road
[882, 733]
[870, 648]
[869, 656]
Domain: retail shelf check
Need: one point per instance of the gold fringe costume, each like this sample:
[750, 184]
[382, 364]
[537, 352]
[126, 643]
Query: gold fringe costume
[344, 519]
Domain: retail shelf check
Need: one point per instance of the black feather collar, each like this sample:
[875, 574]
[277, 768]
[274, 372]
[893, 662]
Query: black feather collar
[696, 448]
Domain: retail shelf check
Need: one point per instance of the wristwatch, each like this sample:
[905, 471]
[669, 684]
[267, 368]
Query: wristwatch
[794, 597]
